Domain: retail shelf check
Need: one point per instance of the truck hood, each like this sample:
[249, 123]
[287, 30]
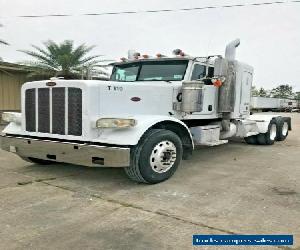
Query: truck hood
[99, 99]
[108, 98]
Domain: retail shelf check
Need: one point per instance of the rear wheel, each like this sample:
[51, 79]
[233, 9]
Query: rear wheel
[282, 129]
[251, 139]
[156, 157]
[269, 137]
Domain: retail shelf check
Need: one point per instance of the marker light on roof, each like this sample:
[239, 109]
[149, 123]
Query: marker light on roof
[146, 56]
[160, 55]
[133, 55]
[136, 55]
[177, 52]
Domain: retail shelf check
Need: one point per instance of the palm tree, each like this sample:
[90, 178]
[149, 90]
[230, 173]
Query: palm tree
[61, 59]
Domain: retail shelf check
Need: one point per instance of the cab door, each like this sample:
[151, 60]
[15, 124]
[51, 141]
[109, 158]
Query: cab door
[210, 92]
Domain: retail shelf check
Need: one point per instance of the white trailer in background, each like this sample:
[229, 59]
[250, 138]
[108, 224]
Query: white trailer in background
[263, 104]
[147, 118]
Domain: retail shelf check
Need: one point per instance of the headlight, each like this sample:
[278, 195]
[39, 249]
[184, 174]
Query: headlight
[115, 123]
[11, 117]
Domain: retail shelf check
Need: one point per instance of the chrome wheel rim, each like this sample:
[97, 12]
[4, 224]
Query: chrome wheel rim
[273, 132]
[163, 156]
[285, 129]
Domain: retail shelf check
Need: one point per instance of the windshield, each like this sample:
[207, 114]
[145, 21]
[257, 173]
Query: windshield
[150, 71]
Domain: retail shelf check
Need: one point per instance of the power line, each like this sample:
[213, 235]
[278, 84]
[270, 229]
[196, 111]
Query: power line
[159, 11]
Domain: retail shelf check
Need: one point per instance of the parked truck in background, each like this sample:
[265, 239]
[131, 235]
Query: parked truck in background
[264, 104]
[147, 118]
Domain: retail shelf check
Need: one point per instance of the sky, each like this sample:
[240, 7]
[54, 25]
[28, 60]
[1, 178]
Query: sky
[270, 35]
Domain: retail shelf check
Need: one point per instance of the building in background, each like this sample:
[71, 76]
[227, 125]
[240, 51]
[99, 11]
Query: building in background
[12, 76]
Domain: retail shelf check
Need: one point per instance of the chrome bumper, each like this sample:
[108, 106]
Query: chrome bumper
[74, 153]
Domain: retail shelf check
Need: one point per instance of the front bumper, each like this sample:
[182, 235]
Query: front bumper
[68, 152]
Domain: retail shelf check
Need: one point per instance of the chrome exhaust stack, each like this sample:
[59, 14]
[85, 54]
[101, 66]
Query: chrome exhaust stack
[231, 49]
[226, 67]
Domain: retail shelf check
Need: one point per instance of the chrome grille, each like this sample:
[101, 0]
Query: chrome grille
[30, 110]
[56, 110]
[43, 110]
[75, 111]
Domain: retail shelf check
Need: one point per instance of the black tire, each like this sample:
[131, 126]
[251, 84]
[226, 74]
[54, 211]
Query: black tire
[268, 138]
[251, 139]
[37, 161]
[282, 129]
[141, 170]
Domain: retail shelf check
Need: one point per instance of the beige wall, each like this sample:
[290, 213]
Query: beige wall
[10, 90]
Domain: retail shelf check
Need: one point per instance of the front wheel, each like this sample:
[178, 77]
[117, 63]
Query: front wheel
[156, 157]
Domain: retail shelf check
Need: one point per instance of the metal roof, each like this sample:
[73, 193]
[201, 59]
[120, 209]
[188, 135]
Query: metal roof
[6, 66]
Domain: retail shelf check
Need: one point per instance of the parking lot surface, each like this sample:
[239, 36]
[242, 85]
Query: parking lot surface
[229, 189]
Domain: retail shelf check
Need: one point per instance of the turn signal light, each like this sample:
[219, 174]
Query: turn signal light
[217, 83]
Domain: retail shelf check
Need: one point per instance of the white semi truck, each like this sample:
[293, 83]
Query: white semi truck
[147, 118]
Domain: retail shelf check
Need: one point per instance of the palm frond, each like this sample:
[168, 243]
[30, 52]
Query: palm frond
[89, 59]
[40, 58]
[3, 42]
[45, 53]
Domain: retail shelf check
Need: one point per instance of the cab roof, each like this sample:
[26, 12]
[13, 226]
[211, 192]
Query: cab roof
[205, 60]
